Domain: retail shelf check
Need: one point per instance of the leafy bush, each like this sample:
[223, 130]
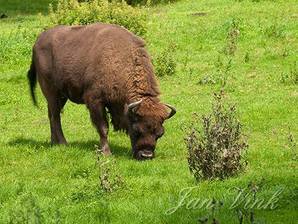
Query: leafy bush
[148, 2]
[72, 12]
[141, 2]
[217, 150]
[165, 63]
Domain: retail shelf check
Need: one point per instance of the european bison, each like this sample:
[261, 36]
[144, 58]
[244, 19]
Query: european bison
[107, 68]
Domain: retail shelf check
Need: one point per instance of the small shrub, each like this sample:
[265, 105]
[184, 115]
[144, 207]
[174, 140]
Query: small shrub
[212, 218]
[217, 150]
[109, 179]
[72, 12]
[247, 214]
[290, 77]
[165, 63]
[207, 79]
[292, 145]
[274, 31]
[246, 57]
[233, 33]
[220, 73]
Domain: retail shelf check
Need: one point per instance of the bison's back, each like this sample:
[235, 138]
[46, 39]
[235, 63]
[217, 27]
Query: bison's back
[80, 58]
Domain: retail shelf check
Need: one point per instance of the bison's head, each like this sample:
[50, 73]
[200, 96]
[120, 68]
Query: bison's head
[146, 125]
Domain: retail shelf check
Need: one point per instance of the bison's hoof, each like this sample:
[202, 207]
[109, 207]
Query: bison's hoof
[56, 142]
[106, 151]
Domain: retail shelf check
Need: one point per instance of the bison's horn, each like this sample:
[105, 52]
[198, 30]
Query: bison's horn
[173, 110]
[133, 105]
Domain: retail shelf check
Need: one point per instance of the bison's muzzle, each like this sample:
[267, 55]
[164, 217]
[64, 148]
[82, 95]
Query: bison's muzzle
[144, 154]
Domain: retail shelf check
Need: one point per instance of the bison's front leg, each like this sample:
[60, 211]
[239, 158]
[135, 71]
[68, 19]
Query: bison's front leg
[99, 118]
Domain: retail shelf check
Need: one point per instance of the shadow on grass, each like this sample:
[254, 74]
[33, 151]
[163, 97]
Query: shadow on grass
[118, 151]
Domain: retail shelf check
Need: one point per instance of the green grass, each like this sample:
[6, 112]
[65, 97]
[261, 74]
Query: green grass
[60, 184]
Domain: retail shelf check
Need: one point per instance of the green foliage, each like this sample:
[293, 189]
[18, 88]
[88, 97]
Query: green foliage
[165, 62]
[13, 7]
[72, 12]
[141, 2]
[148, 2]
[217, 150]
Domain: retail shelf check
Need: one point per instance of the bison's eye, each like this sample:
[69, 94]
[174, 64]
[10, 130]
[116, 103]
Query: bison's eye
[137, 130]
[137, 134]
[160, 133]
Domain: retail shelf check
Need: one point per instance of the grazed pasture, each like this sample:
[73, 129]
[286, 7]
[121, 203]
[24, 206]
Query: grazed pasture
[60, 184]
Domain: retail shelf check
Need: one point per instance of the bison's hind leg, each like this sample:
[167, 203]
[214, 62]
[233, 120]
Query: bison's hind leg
[55, 106]
[56, 102]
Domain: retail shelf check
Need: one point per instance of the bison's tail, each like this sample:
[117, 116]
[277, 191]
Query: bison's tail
[32, 81]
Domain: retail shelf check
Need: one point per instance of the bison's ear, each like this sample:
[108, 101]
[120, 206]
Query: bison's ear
[172, 112]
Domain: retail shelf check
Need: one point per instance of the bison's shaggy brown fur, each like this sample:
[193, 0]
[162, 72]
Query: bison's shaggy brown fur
[104, 67]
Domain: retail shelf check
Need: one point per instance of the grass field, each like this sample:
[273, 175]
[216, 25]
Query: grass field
[60, 184]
